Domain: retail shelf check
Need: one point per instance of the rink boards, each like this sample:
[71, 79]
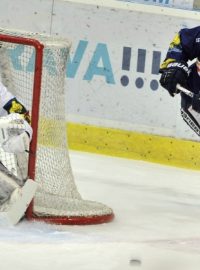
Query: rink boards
[114, 102]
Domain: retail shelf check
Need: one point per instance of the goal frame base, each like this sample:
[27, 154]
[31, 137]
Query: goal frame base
[73, 220]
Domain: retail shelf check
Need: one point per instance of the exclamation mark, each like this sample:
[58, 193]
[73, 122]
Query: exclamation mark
[140, 67]
[126, 60]
[155, 69]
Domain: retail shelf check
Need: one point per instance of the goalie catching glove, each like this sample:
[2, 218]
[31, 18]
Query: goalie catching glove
[16, 133]
[175, 73]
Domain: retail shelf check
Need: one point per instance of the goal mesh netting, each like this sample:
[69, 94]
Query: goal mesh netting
[32, 66]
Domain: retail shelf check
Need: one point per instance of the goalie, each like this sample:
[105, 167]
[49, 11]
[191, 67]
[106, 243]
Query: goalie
[175, 70]
[15, 137]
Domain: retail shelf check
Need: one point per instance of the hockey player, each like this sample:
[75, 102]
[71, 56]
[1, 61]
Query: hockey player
[15, 137]
[175, 70]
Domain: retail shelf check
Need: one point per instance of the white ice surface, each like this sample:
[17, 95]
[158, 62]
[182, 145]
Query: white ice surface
[156, 225]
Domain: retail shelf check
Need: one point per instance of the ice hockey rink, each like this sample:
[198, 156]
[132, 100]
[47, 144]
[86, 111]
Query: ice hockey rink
[156, 225]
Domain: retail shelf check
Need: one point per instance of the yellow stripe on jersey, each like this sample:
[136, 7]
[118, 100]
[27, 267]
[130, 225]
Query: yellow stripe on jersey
[15, 107]
[167, 62]
[175, 42]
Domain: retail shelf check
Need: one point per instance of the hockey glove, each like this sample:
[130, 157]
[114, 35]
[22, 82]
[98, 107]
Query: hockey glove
[175, 73]
[196, 103]
[17, 133]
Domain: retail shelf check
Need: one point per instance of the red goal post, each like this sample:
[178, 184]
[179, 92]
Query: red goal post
[33, 68]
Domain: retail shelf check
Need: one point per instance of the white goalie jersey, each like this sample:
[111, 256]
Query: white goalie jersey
[5, 97]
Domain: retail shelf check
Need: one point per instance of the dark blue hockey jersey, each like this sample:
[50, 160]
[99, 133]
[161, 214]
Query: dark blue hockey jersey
[186, 46]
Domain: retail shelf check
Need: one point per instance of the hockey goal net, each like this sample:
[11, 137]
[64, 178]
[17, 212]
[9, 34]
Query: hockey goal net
[32, 66]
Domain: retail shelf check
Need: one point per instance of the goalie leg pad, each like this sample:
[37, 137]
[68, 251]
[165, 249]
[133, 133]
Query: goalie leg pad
[8, 183]
[18, 203]
[7, 186]
[189, 118]
[189, 115]
[15, 196]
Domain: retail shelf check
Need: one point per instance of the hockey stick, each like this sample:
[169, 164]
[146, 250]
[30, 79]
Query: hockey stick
[185, 91]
